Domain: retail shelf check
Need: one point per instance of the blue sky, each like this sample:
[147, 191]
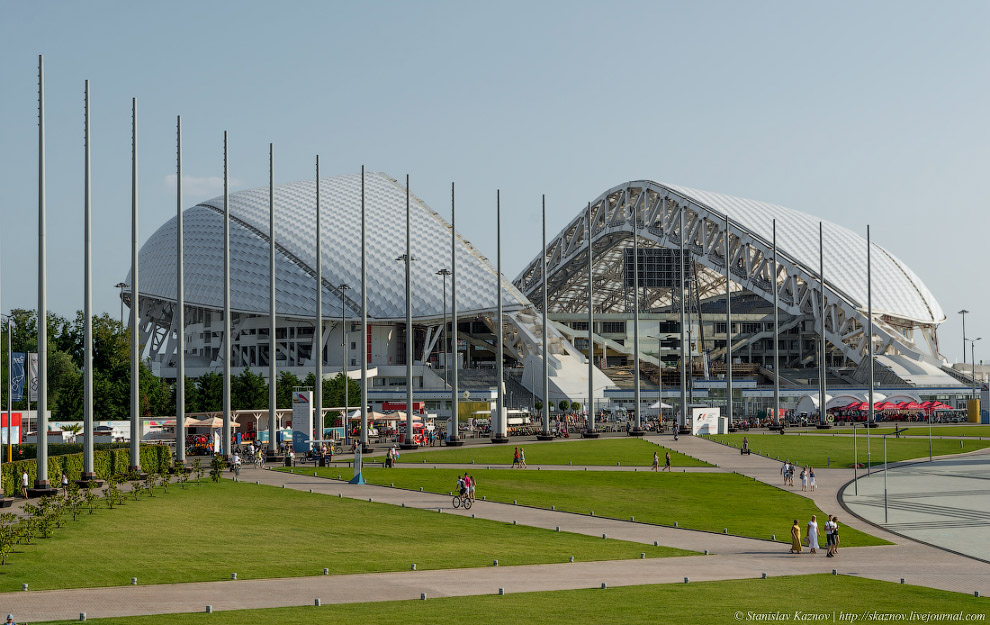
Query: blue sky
[855, 112]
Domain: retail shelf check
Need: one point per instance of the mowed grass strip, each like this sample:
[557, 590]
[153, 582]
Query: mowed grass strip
[701, 501]
[816, 596]
[817, 451]
[208, 531]
[599, 452]
[915, 429]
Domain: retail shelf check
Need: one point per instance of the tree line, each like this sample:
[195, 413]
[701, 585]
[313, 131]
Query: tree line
[112, 375]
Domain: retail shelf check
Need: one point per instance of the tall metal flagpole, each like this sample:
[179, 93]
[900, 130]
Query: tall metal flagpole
[545, 430]
[636, 430]
[591, 431]
[364, 321]
[869, 315]
[272, 349]
[776, 332]
[500, 433]
[87, 471]
[343, 344]
[317, 425]
[728, 328]
[180, 308]
[684, 406]
[135, 463]
[410, 441]
[822, 398]
[227, 350]
[453, 437]
[41, 482]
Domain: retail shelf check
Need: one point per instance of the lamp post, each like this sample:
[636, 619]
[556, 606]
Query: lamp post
[121, 286]
[343, 370]
[855, 461]
[972, 352]
[444, 272]
[407, 259]
[964, 312]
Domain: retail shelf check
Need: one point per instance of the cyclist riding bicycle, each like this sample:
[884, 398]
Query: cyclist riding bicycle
[461, 487]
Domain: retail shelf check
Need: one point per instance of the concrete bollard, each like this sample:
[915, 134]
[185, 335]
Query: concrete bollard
[233, 576]
[834, 572]
[413, 567]
[976, 593]
[553, 507]
[686, 580]
[24, 586]
[656, 543]
[558, 528]
[592, 513]
[675, 523]
[257, 482]
[902, 580]
[764, 576]
[209, 609]
[513, 521]
[420, 489]
[316, 602]
[513, 501]
[133, 581]
[501, 591]
[370, 500]
[391, 484]
[311, 490]
[618, 464]
[326, 571]
[440, 510]
[494, 562]
[604, 536]
[314, 472]
[571, 559]
[472, 515]
[403, 504]
[422, 596]
[725, 530]
[632, 518]
[642, 555]
[82, 616]
[340, 495]
[773, 537]
[604, 586]
[283, 485]
[706, 552]
[484, 498]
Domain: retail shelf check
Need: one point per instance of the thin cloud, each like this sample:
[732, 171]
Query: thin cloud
[202, 187]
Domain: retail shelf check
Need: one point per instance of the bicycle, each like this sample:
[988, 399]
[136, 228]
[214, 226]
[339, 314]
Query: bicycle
[463, 500]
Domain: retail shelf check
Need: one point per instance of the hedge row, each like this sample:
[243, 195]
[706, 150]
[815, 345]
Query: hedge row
[29, 451]
[106, 463]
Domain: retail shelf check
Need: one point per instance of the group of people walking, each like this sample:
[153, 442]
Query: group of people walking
[807, 476]
[813, 533]
[656, 461]
[519, 458]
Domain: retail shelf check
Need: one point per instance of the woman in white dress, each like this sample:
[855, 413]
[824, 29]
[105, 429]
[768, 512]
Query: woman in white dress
[811, 478]
[804, 479]
[813, 534]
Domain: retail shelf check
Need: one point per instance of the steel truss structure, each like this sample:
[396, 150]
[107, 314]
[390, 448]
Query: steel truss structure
[653, 211]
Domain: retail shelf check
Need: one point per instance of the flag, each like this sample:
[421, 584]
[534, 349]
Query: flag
[33, 376]
[17, 376]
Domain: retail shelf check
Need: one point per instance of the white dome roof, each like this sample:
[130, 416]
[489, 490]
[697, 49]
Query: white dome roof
[385, 201]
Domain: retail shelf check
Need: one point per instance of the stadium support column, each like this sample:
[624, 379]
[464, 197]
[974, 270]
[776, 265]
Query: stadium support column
[227, 347]
[410, 440]
[41, 482]
[180, 309]
[87, 470]
[453, 438]
[317, 425]
[637, 429]
[272, 347]
[590, 430]
[364, 320]
[822, 395]
[728, 328]
[135, 463]
[776, 332]
[500, 427]
[545, 434]
[684, 406]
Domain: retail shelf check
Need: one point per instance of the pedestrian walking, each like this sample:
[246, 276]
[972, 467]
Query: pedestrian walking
[804, 479]
[829, 537]
[811, 479]
[65, 484]
[522, 458]
[813, 534]
[24, 484]
[515, 458]
[796, 537]
[656, 462]
[666, 461]
[471, 487]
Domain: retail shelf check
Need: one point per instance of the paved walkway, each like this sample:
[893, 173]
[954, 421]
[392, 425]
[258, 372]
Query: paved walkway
[731, 557]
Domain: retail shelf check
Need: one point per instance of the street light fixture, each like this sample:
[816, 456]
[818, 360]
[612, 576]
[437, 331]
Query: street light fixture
[444, 272]
[121, 286]
[972, 351]
[343, 343]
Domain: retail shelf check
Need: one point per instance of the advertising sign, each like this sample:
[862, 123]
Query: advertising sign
[17, 375]
[705, 420]
[302, 420]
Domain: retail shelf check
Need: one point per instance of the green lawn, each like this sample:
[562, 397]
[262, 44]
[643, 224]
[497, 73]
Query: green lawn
[817, 451]
[918, 429]
[703, 603]
[704, 501]
[209, 531]
[600, 452]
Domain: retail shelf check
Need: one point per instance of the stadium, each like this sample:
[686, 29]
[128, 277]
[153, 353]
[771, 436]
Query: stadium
[906, 314]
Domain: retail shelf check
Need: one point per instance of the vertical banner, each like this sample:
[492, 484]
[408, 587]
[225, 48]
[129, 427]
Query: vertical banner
[33, 376]
[17, 376]
[302, 420]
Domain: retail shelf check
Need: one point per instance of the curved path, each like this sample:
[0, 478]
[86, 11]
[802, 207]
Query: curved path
[731, 557]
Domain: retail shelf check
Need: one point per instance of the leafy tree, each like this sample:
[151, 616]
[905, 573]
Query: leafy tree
[563, 405]
[210, 392]
[575, 406]
[249, 391]
[286, 382]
